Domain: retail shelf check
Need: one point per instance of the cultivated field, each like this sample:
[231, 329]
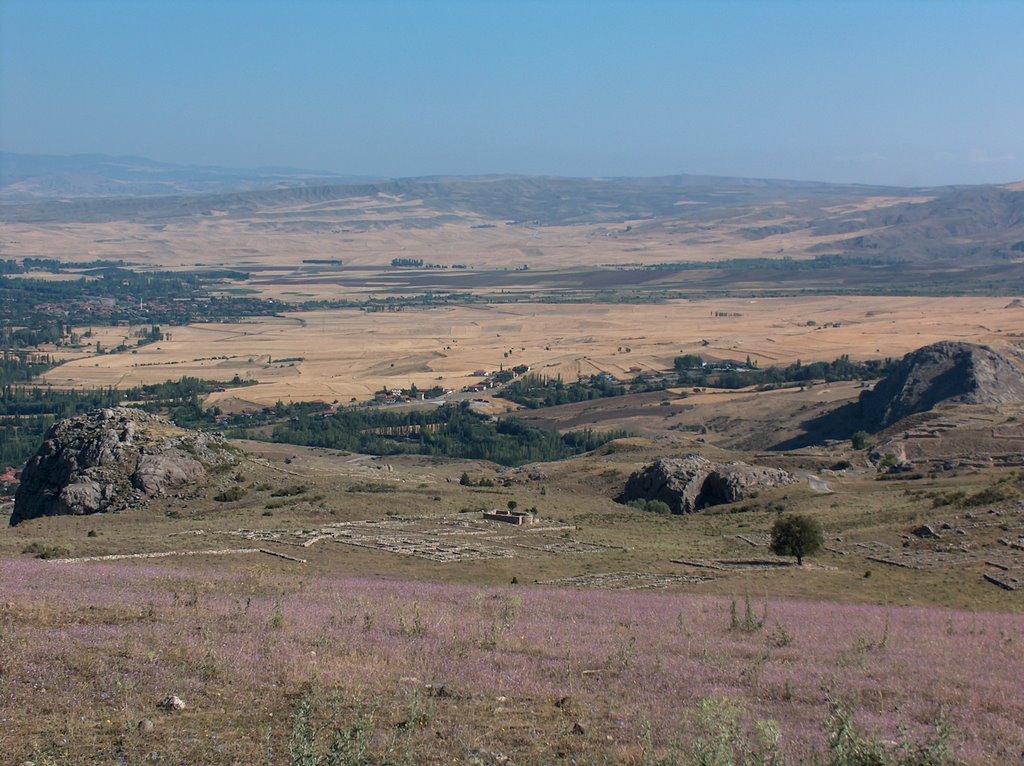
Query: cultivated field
[340, 355]
[370, 231]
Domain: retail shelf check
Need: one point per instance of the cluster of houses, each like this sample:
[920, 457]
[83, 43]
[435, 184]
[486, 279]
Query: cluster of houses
[494, 379]
[487, 381]
[405, 395]
[9, 481]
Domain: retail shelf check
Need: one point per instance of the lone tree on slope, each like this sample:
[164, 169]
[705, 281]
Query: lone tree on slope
[796, 535]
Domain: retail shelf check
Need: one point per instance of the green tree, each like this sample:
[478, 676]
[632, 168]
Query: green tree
[794, 534]
[862, 440]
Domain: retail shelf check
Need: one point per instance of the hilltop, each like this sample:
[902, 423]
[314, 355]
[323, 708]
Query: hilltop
[943, 373]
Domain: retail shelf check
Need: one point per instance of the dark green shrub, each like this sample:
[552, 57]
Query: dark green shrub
[44, 551]
[230, 495]
[289, 491]
[862, 440]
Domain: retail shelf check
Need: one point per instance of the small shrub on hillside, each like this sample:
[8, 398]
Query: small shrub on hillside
[44, 551]
[725, 742]
[230, 495]
[948, 498]
[888, 461]
[311, 744]
[371, 487]
[751, 622]
[862, 440]
[848, 746]
[987, 496]
[289, 491]
[651, 506]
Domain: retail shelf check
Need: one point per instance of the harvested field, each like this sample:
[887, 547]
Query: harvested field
[340, 355]
[371, 231]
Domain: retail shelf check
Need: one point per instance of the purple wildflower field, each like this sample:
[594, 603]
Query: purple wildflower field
[86, 652]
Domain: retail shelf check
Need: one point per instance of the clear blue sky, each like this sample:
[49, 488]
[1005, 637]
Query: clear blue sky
[899, 92]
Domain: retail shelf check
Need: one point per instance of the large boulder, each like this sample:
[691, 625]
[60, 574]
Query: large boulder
[110, 460]
[691, 483]
[950, 371]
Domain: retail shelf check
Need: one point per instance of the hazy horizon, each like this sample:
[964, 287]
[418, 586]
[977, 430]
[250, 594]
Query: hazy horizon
[885, 93]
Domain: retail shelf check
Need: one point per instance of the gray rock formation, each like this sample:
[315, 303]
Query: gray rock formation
[949, 371]
[691, 483]
[112, 459]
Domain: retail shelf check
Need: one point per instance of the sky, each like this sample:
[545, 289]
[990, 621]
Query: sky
[889, 92]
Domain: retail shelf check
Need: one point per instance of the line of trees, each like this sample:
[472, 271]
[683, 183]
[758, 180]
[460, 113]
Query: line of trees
[534, 391]
[459, 433]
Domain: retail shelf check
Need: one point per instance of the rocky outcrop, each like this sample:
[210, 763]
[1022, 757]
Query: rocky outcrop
[949, 371]
[110, 460]
[691, 483]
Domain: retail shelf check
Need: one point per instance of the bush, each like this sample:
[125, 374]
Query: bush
[889, 461]
[230, 495]
[289, 491]
[862, 440]
[44, 551]
[651, 506]
[371, 487]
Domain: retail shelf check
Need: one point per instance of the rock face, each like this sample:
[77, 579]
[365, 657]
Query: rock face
[112, 459]
[943, 372]
[691, 483]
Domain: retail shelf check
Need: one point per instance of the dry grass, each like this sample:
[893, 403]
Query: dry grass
[416, 528]
[432, 674]
[346, 354]
[240, 242]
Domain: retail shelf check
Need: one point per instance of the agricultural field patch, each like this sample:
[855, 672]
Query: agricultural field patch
[340, 355]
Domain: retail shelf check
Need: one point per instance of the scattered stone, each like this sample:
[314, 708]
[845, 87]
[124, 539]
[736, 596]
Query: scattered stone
[172, 702]
[1001, 583]
[925, 531]
[145, 725]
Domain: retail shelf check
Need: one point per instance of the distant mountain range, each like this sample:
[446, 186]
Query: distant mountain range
[28, 177]
[983, 223]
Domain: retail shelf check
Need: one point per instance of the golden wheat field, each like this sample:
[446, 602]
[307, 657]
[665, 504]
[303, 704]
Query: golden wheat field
[345, 354]
[289, 236]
